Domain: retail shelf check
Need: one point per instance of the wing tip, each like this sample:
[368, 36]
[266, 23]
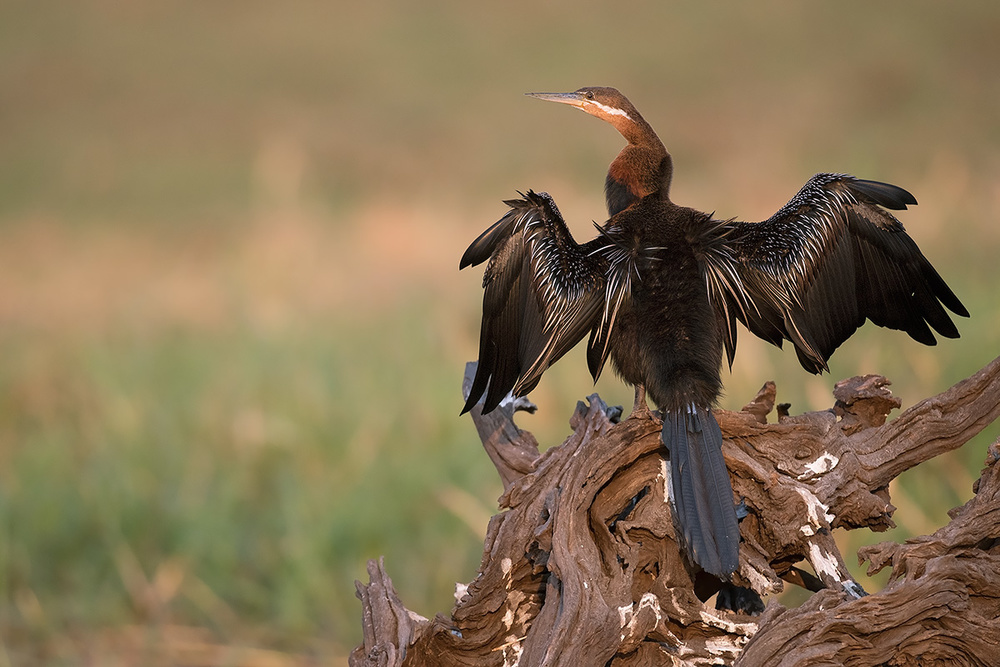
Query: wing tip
[469, 404]
[886, 195]
[466, 259]
[956, 306]
[487, 243]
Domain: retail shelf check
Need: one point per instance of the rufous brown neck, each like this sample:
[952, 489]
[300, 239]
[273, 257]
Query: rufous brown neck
[641, 169]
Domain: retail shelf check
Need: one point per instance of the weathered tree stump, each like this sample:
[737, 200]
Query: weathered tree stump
[582, 566]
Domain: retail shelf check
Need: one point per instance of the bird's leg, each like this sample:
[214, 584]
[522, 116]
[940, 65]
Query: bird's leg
[639, 409]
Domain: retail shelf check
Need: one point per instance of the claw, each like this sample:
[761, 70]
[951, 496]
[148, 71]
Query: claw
[639, 409]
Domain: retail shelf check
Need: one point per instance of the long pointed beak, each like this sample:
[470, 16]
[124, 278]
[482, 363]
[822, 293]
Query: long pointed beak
[572, 99]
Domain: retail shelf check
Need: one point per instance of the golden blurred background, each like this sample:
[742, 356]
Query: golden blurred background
[232, 324]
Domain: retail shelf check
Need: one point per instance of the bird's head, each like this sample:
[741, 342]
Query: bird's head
[643, 166]
[606, 103]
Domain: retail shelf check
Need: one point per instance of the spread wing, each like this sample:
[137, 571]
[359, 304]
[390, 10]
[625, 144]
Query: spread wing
[829, 259]
[543, 293]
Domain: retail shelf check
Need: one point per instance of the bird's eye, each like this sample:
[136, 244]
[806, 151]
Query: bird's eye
[590, 94]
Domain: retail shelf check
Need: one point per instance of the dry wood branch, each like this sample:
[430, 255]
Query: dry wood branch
[582, 567]
[942, 605]
[389, 628]
[514, 452]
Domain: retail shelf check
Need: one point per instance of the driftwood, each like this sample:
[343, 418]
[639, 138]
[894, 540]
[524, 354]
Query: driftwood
[582, 567]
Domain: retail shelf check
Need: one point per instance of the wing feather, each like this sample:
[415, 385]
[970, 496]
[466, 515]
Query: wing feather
[543, 292]
[829, 259]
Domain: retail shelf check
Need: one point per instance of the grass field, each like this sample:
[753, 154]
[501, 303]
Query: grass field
[232, 327]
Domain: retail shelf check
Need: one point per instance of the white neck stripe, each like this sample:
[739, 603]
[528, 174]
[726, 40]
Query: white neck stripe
[611, 111]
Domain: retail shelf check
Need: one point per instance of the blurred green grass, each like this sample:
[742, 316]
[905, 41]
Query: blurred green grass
[232, 322]
[257, 474]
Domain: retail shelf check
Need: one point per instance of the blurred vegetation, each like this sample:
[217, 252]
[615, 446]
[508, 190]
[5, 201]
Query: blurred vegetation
[232, 323]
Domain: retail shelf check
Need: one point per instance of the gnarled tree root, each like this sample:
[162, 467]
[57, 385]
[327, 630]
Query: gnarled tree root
[582, 567]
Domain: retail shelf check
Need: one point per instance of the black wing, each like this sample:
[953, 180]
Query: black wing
[829, 259]
[543, 293]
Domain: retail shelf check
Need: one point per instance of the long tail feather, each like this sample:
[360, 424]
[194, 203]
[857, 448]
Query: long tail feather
[702, 495]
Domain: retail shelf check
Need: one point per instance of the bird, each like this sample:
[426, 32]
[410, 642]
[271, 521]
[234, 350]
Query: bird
[660, 288]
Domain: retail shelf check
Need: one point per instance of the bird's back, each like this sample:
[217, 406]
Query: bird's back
[667, 337]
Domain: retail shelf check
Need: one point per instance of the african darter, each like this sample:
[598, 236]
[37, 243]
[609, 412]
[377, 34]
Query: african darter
[661, 287]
